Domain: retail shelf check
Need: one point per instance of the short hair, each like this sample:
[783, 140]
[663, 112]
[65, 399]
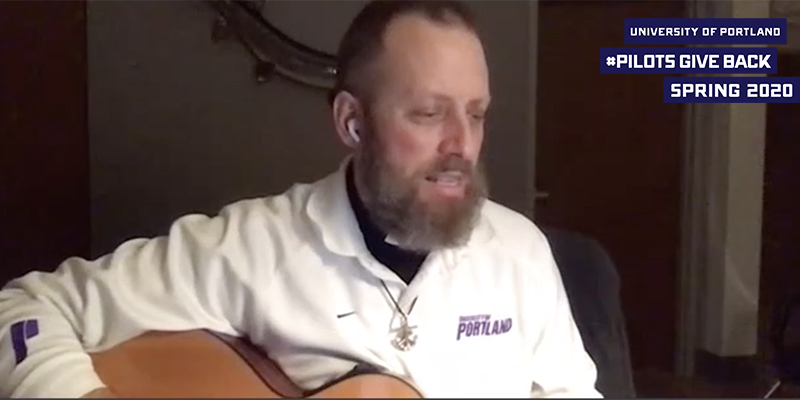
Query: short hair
[363, 40]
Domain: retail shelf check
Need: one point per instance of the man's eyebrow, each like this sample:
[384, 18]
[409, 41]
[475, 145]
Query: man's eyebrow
[484, 102]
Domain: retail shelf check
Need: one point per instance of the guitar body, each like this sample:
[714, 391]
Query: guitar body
[199, 364]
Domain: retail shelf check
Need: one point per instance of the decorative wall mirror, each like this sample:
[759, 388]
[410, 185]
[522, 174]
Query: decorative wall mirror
[292, 39]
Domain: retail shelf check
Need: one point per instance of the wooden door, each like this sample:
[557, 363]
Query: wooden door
[44, 164]
[608, 153]
[780, 233]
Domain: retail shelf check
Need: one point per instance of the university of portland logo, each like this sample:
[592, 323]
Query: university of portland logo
[482, 325]
[21, 332]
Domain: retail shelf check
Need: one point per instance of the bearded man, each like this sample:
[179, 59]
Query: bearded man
[397, 260]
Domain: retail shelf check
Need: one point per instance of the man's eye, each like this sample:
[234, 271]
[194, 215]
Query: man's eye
[427, 114]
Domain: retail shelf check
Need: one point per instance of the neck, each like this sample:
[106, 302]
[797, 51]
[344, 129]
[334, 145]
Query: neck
[404, 263]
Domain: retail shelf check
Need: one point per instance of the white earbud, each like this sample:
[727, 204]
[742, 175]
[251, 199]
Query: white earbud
[352, 130]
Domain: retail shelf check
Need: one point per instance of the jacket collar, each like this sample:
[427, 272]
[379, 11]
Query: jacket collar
[332, 215]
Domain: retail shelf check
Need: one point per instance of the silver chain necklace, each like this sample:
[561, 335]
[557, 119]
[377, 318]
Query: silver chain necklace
[405, 337]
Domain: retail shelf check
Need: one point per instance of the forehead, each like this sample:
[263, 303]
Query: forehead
[422, 57]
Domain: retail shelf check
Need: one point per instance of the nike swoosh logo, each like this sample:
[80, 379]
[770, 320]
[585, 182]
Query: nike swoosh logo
[347, 314]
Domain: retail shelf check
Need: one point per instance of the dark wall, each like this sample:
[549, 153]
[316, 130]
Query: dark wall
[44, 170]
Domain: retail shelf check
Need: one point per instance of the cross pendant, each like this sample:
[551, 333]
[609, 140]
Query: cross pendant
[405, 338]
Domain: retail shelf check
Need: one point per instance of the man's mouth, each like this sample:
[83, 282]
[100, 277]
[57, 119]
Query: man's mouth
[448, 179]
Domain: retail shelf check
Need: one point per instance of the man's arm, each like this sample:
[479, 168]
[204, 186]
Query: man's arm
[190, 279]
[562, 367]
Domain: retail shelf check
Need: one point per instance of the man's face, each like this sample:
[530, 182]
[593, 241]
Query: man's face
[423, 132]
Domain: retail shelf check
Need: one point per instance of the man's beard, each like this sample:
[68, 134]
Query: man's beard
[395, 206]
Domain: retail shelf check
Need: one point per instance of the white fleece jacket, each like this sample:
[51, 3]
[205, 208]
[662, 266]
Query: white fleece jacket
[292, 273]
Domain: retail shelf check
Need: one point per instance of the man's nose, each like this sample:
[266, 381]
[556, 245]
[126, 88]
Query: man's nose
[458, 136]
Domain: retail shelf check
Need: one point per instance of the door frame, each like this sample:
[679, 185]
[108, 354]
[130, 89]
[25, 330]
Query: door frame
[533, 69]
[723, 179]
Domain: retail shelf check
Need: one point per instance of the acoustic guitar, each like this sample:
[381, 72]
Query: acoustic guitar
[202, 364]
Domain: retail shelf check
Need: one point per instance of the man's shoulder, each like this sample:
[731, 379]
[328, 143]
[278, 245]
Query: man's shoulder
[283, 202]
[509, 226]
[520, 242]
[275, 210]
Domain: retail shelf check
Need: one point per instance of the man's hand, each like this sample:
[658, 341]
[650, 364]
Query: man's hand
[102, 393]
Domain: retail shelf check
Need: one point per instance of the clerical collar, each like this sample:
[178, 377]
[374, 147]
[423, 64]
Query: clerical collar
[404, 263]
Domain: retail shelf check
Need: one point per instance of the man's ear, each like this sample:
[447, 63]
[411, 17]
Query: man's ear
[347, 118]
